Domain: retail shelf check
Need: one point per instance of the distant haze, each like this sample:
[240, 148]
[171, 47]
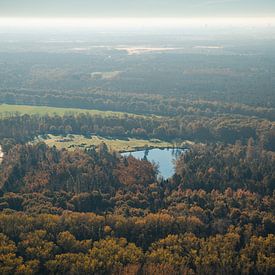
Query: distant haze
[138, 23]
[136, 8]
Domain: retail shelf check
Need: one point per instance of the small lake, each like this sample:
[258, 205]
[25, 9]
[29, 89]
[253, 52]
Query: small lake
[163, 157]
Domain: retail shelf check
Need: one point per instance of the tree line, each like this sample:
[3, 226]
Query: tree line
[22, 128]
[144, 104]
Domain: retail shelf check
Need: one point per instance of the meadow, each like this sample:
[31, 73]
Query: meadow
[7, 110]
[72, 142]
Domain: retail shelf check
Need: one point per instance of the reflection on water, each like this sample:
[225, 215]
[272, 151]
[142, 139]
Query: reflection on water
[163, 157]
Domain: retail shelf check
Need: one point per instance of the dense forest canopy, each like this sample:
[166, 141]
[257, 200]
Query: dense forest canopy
[65, 211]
[91, 210]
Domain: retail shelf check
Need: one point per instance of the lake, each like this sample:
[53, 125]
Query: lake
[163, 157]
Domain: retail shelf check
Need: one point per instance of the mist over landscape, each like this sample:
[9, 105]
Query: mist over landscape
[201, 61]
[137, 137]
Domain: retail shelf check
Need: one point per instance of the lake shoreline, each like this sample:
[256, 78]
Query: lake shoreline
[164, 158]
[140, 149]
[185, 145]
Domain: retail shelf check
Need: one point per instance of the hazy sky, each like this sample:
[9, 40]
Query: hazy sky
[136, 8]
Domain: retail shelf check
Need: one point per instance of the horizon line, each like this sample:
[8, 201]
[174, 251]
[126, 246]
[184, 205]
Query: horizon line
[134, 21]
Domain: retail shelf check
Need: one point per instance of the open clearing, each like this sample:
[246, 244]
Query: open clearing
[73, 142]
[7, 110]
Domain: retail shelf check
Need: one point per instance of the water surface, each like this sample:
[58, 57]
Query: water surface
[163, 157]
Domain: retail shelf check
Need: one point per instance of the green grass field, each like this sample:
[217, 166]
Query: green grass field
[73, 142]
[7, 110]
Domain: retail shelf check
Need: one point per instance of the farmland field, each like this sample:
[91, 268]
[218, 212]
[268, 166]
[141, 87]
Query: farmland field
[9, 110]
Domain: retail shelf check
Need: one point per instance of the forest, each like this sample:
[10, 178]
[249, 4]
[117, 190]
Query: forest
[93, 210]
[96, 212]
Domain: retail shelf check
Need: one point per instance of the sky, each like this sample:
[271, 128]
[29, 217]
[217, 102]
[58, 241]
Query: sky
[136, 8]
